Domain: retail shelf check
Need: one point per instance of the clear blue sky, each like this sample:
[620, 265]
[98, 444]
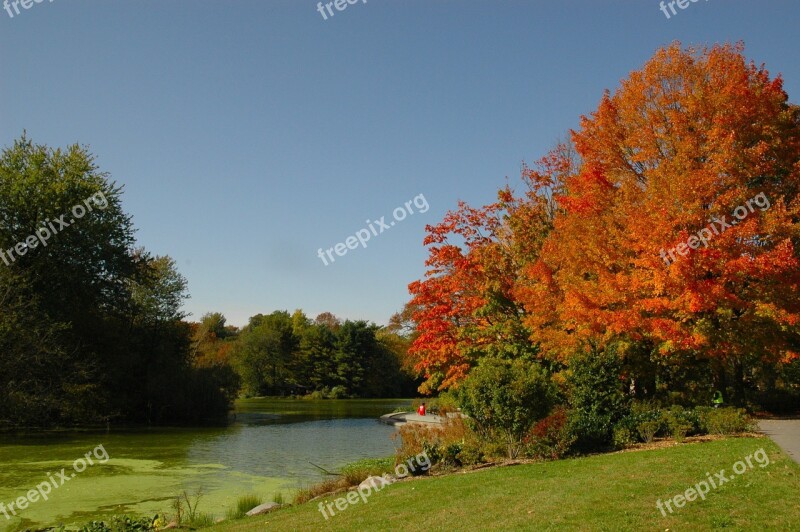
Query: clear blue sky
[250, 133]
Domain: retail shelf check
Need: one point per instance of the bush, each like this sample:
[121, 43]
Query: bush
[551, 438]
[680, 422]
[505, 398]
[649, 420]
[648, 429]
[596, 396]
[326, 486]
[623, 437]
[443, 444]
[472, 452]
[725, 421]
[644, 422]
[448, 455]
[316, 395]
[338, 392]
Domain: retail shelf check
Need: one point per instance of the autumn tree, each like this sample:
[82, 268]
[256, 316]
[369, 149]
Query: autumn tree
[670, 231]
[467, 307]
[680, 229]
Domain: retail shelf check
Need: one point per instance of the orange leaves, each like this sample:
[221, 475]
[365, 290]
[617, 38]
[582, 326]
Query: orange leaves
[665, 163]
[588, 193]
[687, 138]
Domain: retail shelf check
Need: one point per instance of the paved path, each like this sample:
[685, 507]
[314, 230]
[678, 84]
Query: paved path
[786, 433]
[401, 418]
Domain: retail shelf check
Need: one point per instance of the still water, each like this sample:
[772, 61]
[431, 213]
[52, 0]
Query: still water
[270, 448]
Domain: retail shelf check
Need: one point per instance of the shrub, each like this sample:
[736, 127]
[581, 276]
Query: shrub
[338, 392]
[444, 454]
[505, 398]
[680, 422]
[315, 490]
[724, 421]
[326, 486]
[472, 452]
[623, 437]
[316, 395]
[596, 396]
[551, 438]
[649, 428]
[443, 444]
[649, 420]
[644, 422]
[701, 415]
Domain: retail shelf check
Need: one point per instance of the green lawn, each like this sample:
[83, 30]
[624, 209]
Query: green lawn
[605, 492]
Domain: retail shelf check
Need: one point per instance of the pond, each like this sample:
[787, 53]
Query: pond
[272, 446]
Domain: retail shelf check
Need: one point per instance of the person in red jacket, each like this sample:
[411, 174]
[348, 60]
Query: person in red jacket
[421, 409]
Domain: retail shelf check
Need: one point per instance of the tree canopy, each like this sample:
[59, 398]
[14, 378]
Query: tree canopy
[696, 158]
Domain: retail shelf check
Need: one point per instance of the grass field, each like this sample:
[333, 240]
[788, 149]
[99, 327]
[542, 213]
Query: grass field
[604, 492]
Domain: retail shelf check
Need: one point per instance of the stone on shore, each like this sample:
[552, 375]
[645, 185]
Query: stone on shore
[263, 508]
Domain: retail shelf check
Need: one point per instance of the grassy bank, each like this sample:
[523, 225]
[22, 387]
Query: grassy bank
[605, 492]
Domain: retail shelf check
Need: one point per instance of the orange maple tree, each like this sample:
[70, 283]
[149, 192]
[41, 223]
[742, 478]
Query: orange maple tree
[685, 148]
[674, 225]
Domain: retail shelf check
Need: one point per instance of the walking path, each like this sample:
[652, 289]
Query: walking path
[401, 418]
[786, 433]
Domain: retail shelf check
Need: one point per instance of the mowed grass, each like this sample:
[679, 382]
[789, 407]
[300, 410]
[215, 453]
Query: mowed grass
[603, 492]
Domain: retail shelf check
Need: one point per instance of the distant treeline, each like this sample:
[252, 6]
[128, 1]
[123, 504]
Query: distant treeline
[91, 330]
[283, 354]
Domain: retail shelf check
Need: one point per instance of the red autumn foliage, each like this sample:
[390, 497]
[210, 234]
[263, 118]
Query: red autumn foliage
[686, 140]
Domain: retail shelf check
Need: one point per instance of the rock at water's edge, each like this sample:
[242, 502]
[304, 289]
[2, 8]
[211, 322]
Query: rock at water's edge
[263, 508]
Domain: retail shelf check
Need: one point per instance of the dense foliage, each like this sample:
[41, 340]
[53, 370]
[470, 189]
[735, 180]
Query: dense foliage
[667, 229]
[283, 354]
[503, 399]
[90, 327]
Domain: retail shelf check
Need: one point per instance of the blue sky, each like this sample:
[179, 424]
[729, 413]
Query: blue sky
[250, 133]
